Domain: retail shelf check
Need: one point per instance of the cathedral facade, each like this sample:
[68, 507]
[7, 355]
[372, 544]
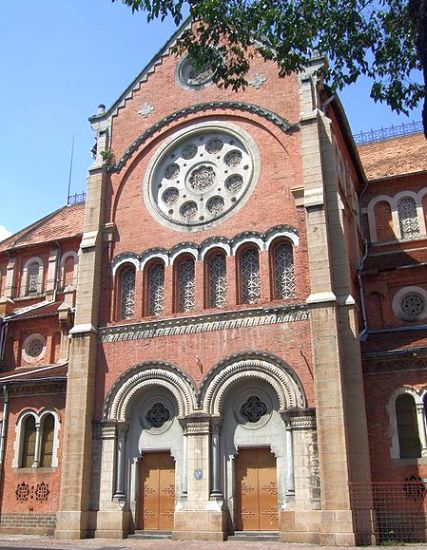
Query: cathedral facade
[229, 335]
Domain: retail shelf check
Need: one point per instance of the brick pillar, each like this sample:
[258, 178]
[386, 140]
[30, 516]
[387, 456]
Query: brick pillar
[74, 520]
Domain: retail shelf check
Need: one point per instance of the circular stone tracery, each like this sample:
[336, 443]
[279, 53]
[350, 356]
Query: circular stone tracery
[204, 173]
[412, 306]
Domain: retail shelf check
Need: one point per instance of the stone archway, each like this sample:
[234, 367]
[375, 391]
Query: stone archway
[141, 414]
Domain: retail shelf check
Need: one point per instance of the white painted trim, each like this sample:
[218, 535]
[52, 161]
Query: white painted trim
[25, 275]
[131, 261]
[207, 247]
[160, 256]
[250, 239]
[281, 235]
[184, 250]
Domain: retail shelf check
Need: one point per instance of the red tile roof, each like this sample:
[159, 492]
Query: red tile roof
[64, 223]
[393, 157]
[35, 373]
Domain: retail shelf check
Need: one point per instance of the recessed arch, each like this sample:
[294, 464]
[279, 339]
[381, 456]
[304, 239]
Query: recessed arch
[120, 397]
[258, 365]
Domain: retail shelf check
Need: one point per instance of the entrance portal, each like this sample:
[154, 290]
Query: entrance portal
[256, 490]
[157, 491]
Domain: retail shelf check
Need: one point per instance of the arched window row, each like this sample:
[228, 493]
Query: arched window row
[33, 274]
[37, 442]
[400, 217]
[191, 279]
[408, 419]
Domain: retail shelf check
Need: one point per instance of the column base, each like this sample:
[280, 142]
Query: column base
[325, 527]
[112, 524]
[75, 525]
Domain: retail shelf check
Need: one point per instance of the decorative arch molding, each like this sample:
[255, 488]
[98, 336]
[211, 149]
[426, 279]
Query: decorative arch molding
[277, 120]
[125, 258]
[393, 201]
[151, 373]
[26, 274]
[199, 251]
[259, 365]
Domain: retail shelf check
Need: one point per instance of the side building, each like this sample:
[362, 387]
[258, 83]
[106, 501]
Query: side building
[236, 315]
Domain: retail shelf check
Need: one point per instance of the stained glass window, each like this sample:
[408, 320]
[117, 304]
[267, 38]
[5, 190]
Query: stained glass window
[46, 451]
[250, 276]
[408, 218]
[28, 442]
[217, 280]
[33, 278]
[186, 288]
[284, 275]
[127, 293]
[156, 289]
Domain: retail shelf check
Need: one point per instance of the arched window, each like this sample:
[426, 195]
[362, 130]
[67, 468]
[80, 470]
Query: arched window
[156, 288]
[47, 437]
[68, 276]
[250, 282]
[283, 270]
[407, 427]
[33, 278]
[185, 285]
[216, 280]
[384, 221]
[28, 442]
[127, 293]
[408, 218]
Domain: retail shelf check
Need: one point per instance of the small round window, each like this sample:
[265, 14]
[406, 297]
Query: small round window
[191, 77]
[409, 304]
[34, 348]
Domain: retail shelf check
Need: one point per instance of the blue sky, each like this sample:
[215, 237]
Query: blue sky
[59, 59]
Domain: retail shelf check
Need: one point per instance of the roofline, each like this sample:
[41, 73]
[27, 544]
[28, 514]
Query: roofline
[348, 135]
[14, 244]
[402, 175]
[105, 115]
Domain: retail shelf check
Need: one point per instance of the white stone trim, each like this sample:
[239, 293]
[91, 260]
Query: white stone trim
[212, 245]
[242, 240]
[131, 261]
[192, 250]
[421, 420]
[406, 290]
[281, 235]
[371, 214]
[154, 256]
[69, 254]
[25, 275]
[19, 435]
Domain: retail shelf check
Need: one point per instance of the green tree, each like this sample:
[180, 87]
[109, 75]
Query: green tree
[384, 40]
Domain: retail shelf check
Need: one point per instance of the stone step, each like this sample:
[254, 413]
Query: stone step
[254, 536]
[147, 534]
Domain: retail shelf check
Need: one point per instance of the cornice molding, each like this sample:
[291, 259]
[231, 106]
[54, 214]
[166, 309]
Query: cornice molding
[271, 116]
[205, 323]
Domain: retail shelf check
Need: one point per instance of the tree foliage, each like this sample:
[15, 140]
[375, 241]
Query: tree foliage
[384, 40]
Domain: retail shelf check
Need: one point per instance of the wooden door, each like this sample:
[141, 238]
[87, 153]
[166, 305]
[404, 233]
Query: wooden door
[256, 487]
[157, 491]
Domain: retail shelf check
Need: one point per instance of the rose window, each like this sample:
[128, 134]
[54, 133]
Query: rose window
[253, 409]
[412, 306]
[157, 415]
[200, 176]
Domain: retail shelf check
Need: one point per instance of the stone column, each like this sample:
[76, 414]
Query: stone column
[37, 447]
[120, 492]
[197, 517]
[113, 515]
[10, 287]
[421, 428]
[216, 491]
[74, 518]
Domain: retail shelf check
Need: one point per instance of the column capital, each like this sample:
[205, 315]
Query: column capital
[196, 424]
[299, 419]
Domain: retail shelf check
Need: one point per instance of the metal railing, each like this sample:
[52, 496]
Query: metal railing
[388, 133]
[393, 511]
[76, 198]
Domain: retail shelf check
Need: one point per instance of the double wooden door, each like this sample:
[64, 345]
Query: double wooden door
[256, 488]
[157, 491]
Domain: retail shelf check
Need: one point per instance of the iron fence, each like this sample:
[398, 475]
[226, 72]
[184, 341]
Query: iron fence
[76, 198]
[392, 511]
[388, 133]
